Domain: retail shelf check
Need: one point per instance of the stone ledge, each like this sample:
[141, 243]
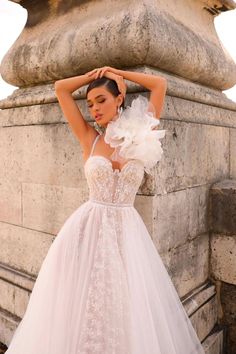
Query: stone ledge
[175, 109]
[198, 297]
[8, 325]
[17, 277]
[177, 87]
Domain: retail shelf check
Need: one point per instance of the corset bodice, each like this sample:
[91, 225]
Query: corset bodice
[113, 186]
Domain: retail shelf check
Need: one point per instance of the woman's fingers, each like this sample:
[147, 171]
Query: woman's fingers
[103, 71]
[100, 71]
[107, 72]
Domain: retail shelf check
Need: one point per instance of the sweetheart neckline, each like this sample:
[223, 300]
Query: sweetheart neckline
[116, 170]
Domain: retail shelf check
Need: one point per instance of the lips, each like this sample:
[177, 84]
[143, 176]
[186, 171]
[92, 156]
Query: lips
[98, 116]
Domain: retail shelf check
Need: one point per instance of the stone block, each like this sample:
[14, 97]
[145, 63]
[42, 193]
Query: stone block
[186, 164]
[47, 153]
[179, 216]
[187, 264]
[205, 318]
[47, 207]
[222, 212]
[10, 200]
[144, 206]
[22, 248]
[223, 258]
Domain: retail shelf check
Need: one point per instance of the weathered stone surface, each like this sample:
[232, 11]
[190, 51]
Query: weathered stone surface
[200, 305]
[198, 297]
[16, 287]
[214, 343]
[20, 278]
[46, 207]
[53, 45]
[228, 303]
[205, 318]
[7, 326]
[232, 153]
[223, 207]
[177, 87]
[193, 164]
[144, 206]
[223, 258]
[13, 299]
[187, 264]
[223, 255]
[169, 232]
[47, 154]
[19, 245]
[10, 200]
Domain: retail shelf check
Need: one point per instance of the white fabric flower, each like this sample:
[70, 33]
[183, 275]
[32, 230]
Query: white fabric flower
[133, 137]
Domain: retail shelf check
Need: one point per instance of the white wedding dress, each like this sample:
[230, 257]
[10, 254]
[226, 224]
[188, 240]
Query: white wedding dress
[102, 287]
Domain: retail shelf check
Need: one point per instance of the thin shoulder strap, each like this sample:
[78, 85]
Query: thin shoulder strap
[94, 143]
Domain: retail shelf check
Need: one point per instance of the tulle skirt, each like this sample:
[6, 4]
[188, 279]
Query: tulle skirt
[103, 288]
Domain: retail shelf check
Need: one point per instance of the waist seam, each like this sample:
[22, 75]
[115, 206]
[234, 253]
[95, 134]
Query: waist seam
[111, 204]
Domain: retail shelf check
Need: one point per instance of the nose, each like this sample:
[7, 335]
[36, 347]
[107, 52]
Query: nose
[95, 107]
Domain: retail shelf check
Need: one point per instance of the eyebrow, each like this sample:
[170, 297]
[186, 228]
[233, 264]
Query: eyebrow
[95, 97]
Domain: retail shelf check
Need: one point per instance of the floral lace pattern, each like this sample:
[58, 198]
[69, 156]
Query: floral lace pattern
[107, 185]
[106, 326]
[107, 321]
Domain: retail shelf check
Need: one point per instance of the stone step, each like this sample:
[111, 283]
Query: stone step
[201, 307]
[214, 342]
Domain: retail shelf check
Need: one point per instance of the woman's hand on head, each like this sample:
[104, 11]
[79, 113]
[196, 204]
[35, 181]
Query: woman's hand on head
[120, 83]
[110, 73]
[99, 72]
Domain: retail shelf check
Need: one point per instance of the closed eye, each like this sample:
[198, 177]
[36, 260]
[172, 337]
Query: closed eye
[89, 106]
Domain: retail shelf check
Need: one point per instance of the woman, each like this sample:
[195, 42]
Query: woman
[102, 287]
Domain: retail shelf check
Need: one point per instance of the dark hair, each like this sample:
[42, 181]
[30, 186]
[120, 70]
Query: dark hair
[110, 85]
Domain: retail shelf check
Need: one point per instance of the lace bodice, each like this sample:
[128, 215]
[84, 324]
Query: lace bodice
[109, 185]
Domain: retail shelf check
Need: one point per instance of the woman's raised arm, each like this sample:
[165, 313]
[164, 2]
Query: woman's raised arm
[63, 90]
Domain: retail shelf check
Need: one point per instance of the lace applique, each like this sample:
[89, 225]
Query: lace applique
[106, 326]
[116, 186]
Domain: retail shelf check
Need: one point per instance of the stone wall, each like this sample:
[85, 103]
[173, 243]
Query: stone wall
[223, 254]
[42, 179]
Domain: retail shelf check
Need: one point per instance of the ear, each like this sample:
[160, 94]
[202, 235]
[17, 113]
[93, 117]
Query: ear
[120, 98]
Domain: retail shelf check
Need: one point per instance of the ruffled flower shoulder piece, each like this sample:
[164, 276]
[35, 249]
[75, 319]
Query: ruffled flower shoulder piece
[133, 135]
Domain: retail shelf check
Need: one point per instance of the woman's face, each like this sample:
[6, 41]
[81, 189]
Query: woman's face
[102, 105]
